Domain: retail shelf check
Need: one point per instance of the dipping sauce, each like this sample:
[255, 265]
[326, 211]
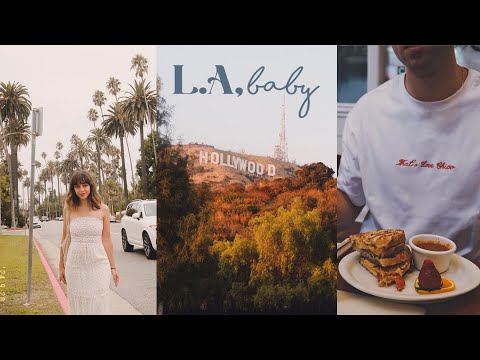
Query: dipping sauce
[432, 245]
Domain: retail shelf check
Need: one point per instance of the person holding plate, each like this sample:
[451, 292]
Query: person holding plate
[411, 153]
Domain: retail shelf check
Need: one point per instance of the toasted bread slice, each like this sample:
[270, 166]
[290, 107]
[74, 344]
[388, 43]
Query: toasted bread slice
[377, 242]
[386, 275]
[403, 255]
[389, 252]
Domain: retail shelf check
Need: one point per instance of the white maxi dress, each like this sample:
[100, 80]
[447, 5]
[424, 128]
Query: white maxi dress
[87, 270]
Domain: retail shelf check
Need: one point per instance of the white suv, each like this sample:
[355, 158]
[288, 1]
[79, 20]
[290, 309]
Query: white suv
[139, 227]
[35, 222]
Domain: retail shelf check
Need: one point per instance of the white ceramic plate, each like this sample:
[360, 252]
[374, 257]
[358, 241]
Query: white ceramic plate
[464, 273]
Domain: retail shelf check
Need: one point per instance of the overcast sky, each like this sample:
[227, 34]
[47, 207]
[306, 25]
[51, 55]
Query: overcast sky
[62, 80]
[252, 122]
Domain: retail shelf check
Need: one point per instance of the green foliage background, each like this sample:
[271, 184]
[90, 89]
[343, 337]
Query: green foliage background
[264, 248]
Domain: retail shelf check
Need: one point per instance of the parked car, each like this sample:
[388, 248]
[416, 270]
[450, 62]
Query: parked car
[35, 222]
[139, 227]
[44, 218]
[113, 218]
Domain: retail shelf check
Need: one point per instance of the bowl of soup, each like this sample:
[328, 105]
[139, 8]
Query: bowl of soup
[437, 248]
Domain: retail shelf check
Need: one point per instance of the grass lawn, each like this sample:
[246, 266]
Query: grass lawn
[13, 280]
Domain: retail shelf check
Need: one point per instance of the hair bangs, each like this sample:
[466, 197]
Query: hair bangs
[80, 177]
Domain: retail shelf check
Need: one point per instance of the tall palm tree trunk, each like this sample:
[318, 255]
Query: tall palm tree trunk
[23, 198]
[151, 128]
[45, 198]
[144, 166]
[54, 196]
[154, 144]
[58, 188]
[9, 165]
[124, 173]
[99, 156]
[104, 178]
[14, 159]
[130, 158]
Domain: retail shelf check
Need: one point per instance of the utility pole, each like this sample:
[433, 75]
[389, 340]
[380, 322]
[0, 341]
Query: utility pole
[37, 129]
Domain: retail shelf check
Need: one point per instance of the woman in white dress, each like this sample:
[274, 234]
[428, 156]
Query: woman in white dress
[90, 263]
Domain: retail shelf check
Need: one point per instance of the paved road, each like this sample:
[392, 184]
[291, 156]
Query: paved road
[138, 284]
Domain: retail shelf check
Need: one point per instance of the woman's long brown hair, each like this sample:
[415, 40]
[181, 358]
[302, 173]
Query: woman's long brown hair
[83, 177]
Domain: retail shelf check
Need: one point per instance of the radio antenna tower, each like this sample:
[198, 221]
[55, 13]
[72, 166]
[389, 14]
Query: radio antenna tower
[280, 151]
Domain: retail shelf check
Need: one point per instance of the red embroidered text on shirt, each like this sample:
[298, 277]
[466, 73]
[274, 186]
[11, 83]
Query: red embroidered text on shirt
[442, 165]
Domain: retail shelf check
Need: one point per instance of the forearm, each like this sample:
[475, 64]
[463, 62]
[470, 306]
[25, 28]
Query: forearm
[65, 231]
[347, 212]
[61, 264]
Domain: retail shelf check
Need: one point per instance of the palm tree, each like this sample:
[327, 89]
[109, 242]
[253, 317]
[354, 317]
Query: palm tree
[15, 107]
[100, 140]
[58, 172]
[69, 165]
[43, 177]
[47, 170]
[164, 112]
[140, 64]
[92, 115]
[114, 126]
[51, 172]
[22, 173]
[81, 150]
[64, 177]
[39, 189]
[115, 152]
[111, 190]
[115, 166]
[99, 100]
[38, 164]
[135, 107]
[26, 184]
[104, 170]
[56, 155]
[44, 157]
[113, 87]
[92, 168]
[20, 136]
[59, 148]
[74, 139]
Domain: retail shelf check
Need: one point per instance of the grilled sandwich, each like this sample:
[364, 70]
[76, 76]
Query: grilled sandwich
[384, 254]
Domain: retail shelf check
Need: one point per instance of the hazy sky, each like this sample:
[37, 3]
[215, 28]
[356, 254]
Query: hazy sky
[252, 122]
[62, 80]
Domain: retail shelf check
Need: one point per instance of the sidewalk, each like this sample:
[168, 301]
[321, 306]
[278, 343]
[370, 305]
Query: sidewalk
[51, 252]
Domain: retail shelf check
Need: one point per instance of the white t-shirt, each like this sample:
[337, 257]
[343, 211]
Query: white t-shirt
[416, 165]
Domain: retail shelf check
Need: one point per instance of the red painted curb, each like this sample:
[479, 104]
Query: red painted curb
[62, 299]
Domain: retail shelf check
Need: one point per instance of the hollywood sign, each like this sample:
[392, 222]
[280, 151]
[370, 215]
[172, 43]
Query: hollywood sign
[236, 162]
